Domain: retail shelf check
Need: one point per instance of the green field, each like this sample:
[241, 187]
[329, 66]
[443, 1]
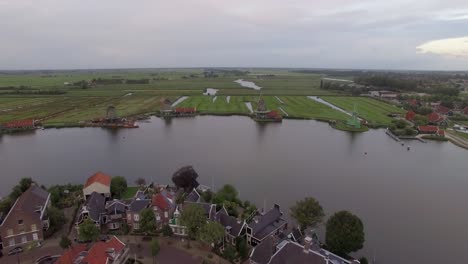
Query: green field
[282, 90]
[374, 111]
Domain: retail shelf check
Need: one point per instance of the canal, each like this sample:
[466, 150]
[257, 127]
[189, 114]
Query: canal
[413, 203]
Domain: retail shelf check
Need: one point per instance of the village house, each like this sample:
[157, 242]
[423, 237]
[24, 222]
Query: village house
[178, 228]
[94, 209]
[436, 119]
[100, 183]
[233, 227]
[440, 109]
[116, 214]
[27, 219]
[18, 125]
[134, 211]
[164, 205]
[431, 130]
[112, 251]
[410, 116]
[275, 251]
[265, 225]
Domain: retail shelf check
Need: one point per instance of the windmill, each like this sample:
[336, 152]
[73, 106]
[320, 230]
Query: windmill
[354, 120]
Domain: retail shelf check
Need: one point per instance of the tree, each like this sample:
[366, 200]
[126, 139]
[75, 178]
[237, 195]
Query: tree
[227, 193]
[344, 233]
[88, 231]
[154, 248]
[140, 182]
[307, 212]
[211, 233]
[229, 253]
[65, 242]
[118, 186]
[193, 217]
[242, 249]
[147, 221]
[207, 196]
[167, 231]
[56, 220]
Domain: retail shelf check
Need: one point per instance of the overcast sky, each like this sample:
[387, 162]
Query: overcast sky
[396, 34]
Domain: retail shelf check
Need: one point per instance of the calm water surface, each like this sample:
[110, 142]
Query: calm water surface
[413, 203]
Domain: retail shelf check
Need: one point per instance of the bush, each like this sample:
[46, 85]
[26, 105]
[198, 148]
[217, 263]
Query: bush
[167, 231]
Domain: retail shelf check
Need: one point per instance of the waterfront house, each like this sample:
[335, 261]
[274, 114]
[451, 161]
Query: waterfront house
[27, 219]
[93, 209]
[100, 183]
[18, 125]
[264, 225]
[134, 211]
[410, 115]
[276, 251]
[164, 205]
[431, 130]
[233, 227]
[116, 214]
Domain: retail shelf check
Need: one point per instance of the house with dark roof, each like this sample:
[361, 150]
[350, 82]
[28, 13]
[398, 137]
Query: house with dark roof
[233, 227]
[94, 209]
[116, 214]
[27, 218]
[163, 205]
[193, 196]
[134, 211]
[100, 183]
[265, 225]
[178, 228]
[273, 251]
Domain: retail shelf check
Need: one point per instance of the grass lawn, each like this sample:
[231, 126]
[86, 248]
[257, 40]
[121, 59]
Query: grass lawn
[205, 104]
[375, 112]
[130, 192]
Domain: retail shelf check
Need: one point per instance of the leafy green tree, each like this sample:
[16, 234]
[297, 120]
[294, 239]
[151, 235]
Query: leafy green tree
[118, 186]
[307, 212]
[207, 196]
[344, 233]
[88, 231]
[193, 217]
[167, 231]
[227, 193]
[230, 253]
[211, 233]
[147, 221]
[242, 249]
[20, 188]
[56, 219]
[65, 242]
[155, 248]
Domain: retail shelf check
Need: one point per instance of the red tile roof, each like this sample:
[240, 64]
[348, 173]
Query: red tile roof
[160, 201]
[19, 123]
[442, 109]
[441, 133]
[99, 177]
[71, 254]
[100, 252]
[434, 117]
[410, 115]
[428, 128]
[185, 110]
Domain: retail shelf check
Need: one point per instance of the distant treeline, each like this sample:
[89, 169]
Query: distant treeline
[34, 92]
[344, 87]
[387, 82]
[214, 73]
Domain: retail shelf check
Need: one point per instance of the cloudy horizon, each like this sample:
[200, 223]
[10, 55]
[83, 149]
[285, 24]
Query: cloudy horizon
[345, 34]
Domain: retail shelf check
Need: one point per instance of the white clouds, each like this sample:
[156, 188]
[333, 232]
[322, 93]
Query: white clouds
[452, 47]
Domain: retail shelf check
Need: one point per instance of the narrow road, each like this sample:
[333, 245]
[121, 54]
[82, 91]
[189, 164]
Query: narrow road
[457, 140]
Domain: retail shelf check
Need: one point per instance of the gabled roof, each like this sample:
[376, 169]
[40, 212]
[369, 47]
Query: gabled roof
[104, 252]
[19, 123]
[163, 201]
[137, 205]
[442, 109]
[210, 209]
[235, 226]
[72, 255]
[116, 206]
[294, 253]
[428, 128]
[262, 253]
[263, 225]
[193, 196]
[99, 177]
[410, 115]
[32, 201]
[96, 205]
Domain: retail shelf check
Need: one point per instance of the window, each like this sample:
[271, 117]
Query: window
[136, 226]
[35, 236]
[129, 217]
[24, 239]
[136, 217]
[33, 227]
[166, 215]
[11, 242]
[20, 221]
[10, 232]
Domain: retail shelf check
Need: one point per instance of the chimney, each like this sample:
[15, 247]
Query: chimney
[307, 243]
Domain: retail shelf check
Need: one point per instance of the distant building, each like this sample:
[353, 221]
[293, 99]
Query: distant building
[100, 183]
[440, 109]
[164, 205]
[410, 115]
[436, 119]
[134, 211]
[233, 227]
[384, 94]
[18, 125]
[113, 251]
[116, 214]
[27, 219]
[94, 209]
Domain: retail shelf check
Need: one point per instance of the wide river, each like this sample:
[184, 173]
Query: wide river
[414, 204]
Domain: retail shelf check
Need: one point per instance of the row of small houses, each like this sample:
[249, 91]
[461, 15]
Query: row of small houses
[266, 231]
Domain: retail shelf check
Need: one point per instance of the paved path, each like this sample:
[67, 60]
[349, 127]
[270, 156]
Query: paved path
[49, 247]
